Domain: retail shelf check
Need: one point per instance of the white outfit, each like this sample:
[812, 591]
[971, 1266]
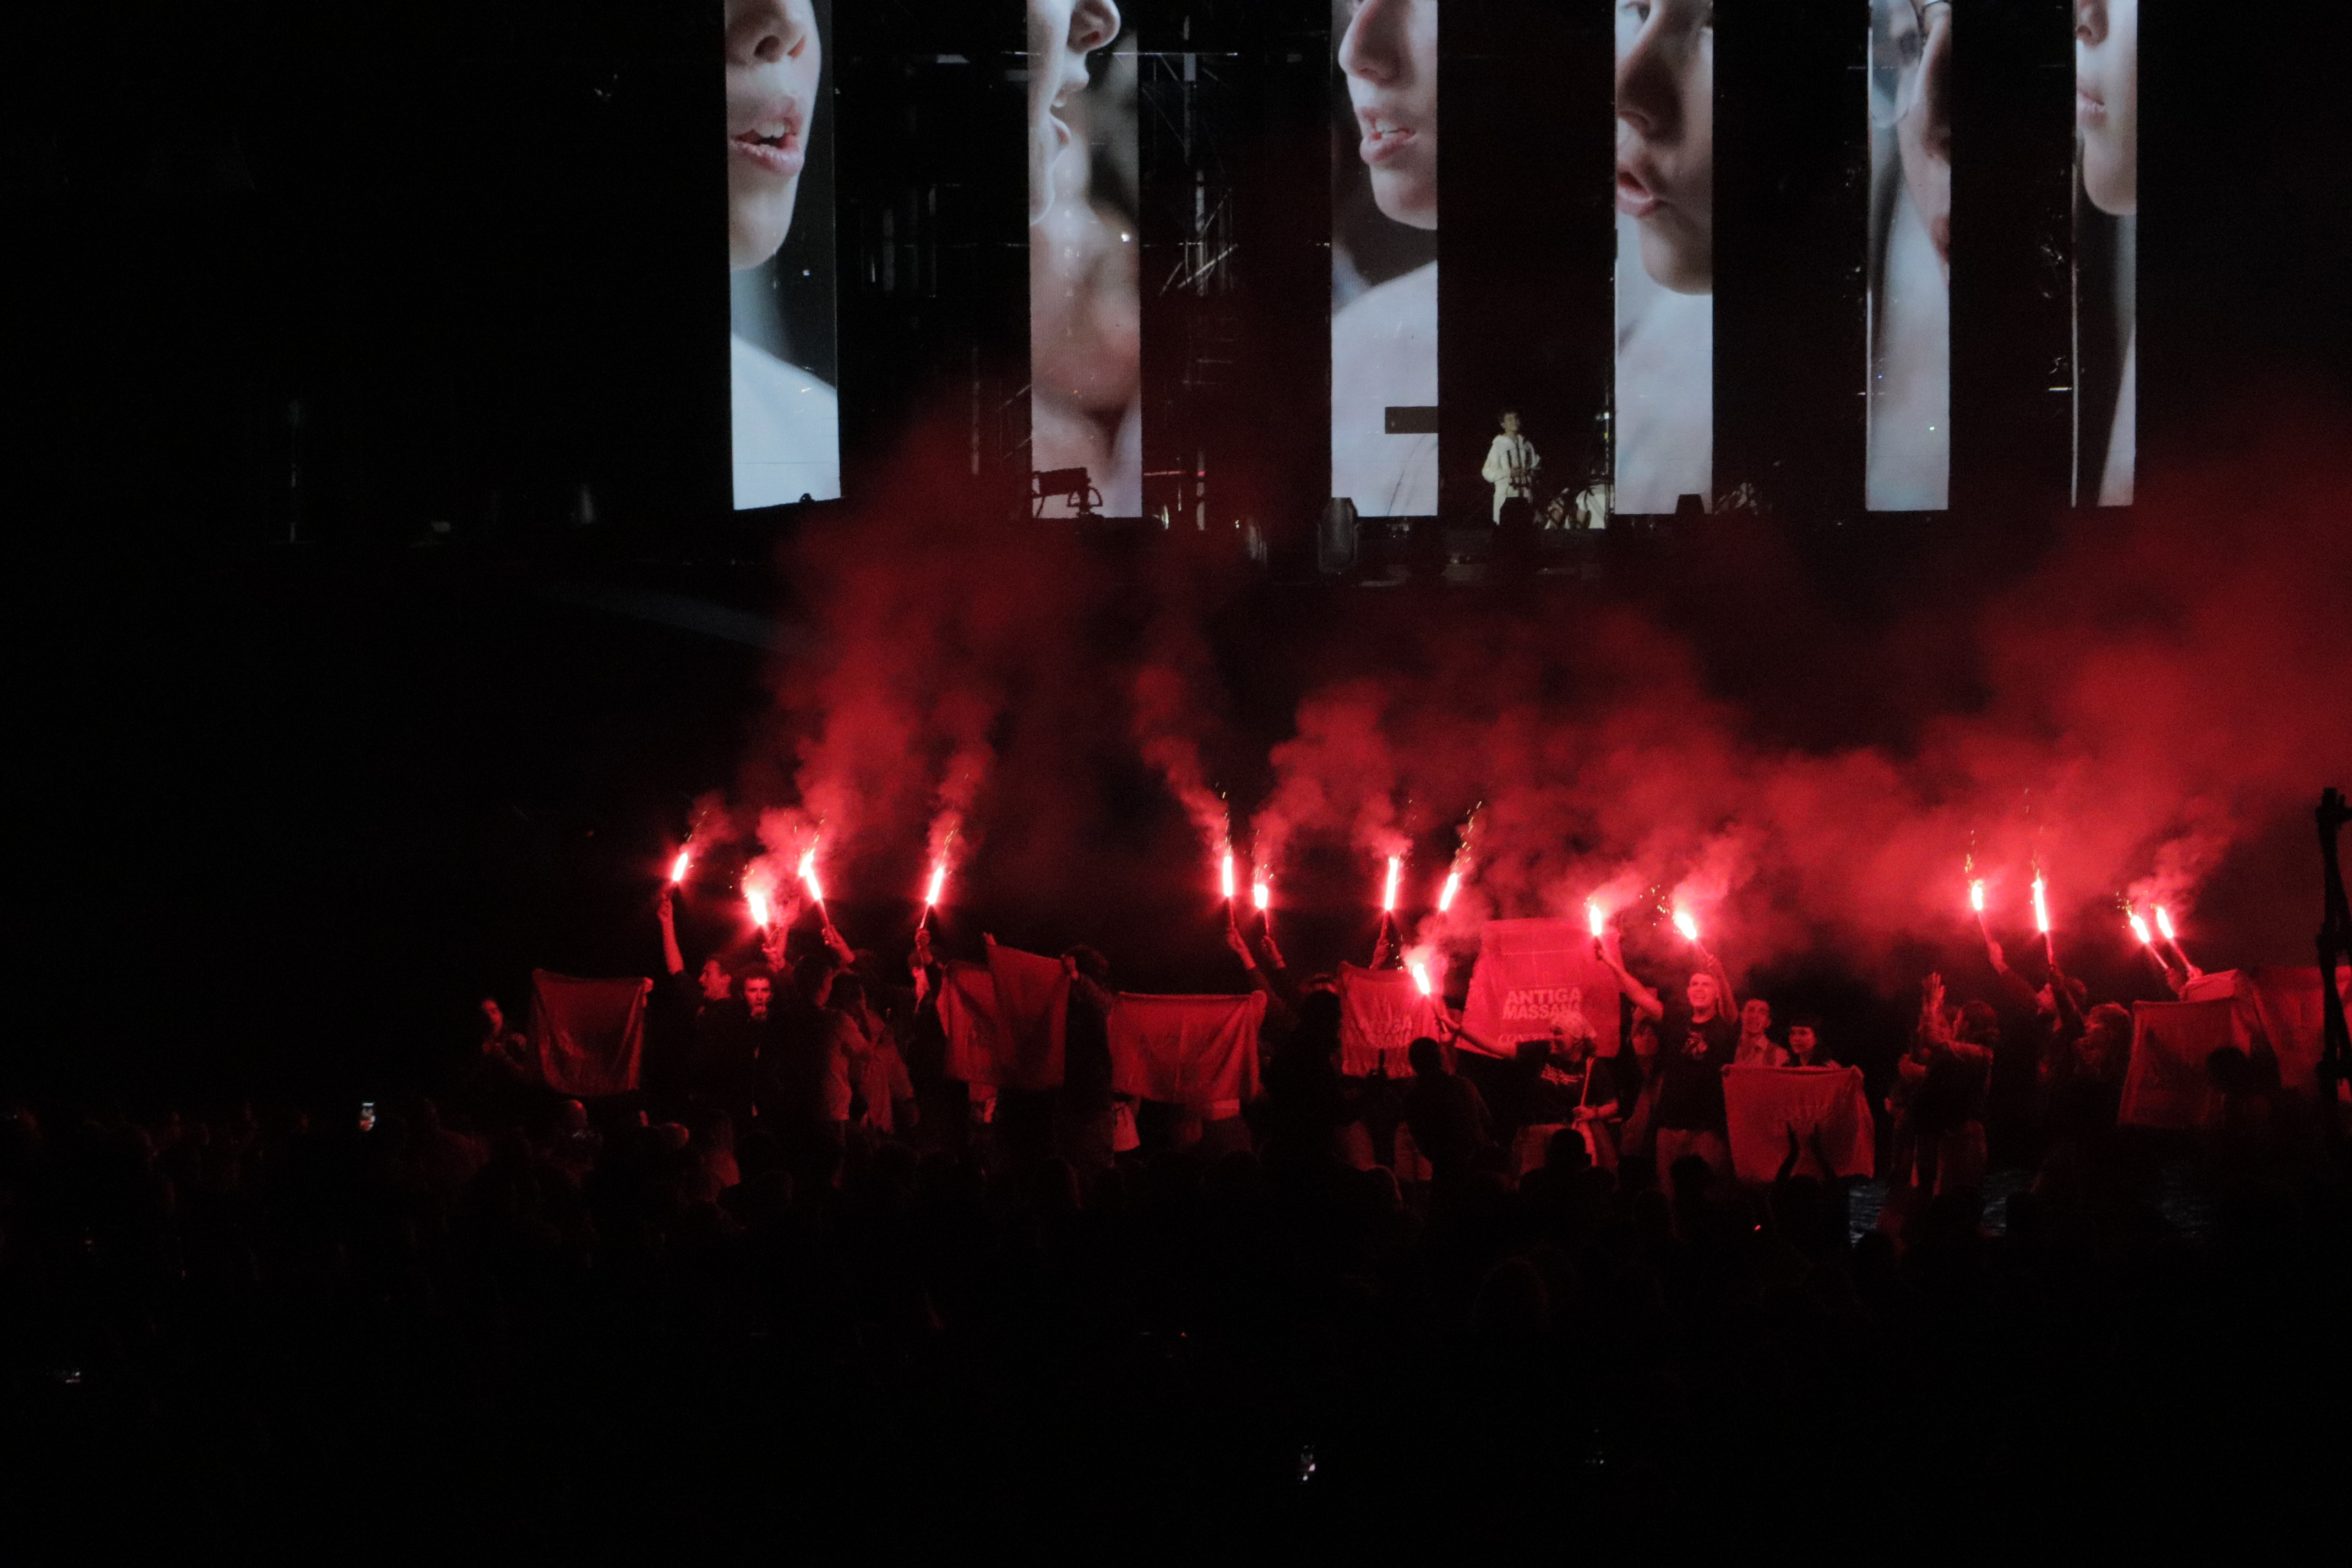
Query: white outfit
[1592, 504]
[1665, 386]
[787, 430]
[1384, 356]
[1510, 468]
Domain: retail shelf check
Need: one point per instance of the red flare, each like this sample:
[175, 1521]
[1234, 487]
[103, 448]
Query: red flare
[1420, 975]
[2040, 907]
[1388, 898]
[1453, 885]
[2139, 928]
[1687, 926]
[1976, 895]
[939, 882]
[808, 873]
[677, 867]
[2164, 923]
[1261, 894]
[1225, 876]
[1594, 918]
[758, 899]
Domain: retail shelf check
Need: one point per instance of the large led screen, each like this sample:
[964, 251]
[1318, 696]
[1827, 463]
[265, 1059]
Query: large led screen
[1664, 426]
[1384, 258]
[2106, 225]
[1910, 291]
[782, 355]
[1086, 323]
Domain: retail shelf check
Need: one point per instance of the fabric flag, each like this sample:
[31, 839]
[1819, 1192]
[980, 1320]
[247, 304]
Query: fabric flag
[2276, 1009]
[2287, 1009]
[2166, 1085]
[1532, 971]
[968, 1015]
[1186, 1050]
[1764, 1103]
[1032, 1014]
[589, 1034]
[1382, 1012]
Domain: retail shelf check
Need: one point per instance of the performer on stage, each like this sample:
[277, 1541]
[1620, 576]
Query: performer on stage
[1511, 465]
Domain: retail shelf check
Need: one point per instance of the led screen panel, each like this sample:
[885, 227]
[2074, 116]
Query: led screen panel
[1909, 297]
[2106, 232]
[786, 421]
[1664, 426]
[1086, 324]
[1384, 426]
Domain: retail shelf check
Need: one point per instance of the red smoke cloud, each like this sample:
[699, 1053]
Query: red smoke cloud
[1800, 774]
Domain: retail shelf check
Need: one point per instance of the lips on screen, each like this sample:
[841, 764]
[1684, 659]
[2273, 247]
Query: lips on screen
[783, 353]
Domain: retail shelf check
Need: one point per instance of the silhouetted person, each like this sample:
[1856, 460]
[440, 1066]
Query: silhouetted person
[1449, 1120]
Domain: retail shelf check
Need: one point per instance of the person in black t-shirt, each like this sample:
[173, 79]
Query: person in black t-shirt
[1697, 1038]
[1573, 1088]
[717, 1047]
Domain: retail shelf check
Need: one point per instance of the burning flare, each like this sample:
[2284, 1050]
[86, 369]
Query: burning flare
[757, 898]
[808, 873]
[1225, 875]
[1453, 885]
[1388, 898]
[938, 883]
[2164, 924]
[1687, 926]
[2040, 907]
[1976, 895]
[677, 867]
[1261, 894]
[2139, 928]
[1594, 918]
[1420, 975]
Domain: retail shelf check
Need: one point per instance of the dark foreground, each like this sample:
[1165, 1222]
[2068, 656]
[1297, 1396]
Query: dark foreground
[410, 1343]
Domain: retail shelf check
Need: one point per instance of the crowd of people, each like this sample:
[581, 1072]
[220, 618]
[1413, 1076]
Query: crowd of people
[806, 1283]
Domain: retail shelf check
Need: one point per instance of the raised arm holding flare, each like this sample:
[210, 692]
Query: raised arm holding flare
[1612, 953]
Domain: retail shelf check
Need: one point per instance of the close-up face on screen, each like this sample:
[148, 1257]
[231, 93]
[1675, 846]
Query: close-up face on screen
[1910, 265]
[1384, 256]
[786, 426]
[2107, 230]
[1665, 252]
[1085, 338]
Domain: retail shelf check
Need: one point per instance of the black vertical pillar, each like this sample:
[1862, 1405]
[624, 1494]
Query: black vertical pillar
[2013, 255]
[1792, 220]
[933, 251]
